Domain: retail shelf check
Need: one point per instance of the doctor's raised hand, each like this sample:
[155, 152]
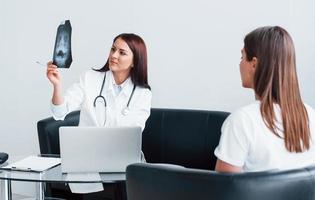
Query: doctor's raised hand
[117, 94]
[53, 76]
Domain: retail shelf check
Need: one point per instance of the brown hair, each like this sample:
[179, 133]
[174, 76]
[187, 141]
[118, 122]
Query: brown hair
[138, 73]
[275, 81]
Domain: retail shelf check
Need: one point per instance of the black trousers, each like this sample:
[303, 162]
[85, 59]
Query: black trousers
[112, 191]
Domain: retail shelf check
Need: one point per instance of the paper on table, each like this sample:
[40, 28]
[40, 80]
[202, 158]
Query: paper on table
[34, 163]
[85, 187]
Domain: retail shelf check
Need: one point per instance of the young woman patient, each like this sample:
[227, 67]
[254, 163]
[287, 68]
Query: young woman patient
[277, 131]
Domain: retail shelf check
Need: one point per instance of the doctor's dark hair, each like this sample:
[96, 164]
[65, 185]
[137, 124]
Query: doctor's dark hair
[275, 81]
[139, 71]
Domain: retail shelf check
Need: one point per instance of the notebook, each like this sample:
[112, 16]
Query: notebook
[33, 164]
[99, 149]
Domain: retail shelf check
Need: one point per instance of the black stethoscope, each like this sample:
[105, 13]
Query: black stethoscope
[124, 111]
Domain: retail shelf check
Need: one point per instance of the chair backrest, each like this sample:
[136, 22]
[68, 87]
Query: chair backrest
[154, 182]
[176, 136]
[183, 137]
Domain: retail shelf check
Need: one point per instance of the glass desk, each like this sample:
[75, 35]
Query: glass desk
[49, 176]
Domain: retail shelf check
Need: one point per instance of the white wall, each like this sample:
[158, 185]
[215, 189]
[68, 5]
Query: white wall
[194, 52]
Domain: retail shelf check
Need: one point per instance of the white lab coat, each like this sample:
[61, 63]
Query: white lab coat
[81, 95]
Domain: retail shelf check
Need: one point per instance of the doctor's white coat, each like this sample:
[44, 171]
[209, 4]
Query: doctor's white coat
[81, 95]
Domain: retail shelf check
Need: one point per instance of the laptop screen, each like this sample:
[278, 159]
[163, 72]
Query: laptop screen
[99, 149]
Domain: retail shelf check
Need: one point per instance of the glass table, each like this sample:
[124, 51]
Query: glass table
[49, 176]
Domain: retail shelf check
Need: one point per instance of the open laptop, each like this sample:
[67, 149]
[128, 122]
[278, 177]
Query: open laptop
[99, 149]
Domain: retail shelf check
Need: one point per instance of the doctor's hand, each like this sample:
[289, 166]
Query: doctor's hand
[52, 74]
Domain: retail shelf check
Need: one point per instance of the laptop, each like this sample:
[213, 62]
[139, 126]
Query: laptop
[99, 149]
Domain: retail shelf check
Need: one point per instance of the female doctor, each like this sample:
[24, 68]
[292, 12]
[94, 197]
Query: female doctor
[118, 94]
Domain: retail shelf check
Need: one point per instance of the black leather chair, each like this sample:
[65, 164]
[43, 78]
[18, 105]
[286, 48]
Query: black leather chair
[175, 136]
[155, 182]
[48, 132]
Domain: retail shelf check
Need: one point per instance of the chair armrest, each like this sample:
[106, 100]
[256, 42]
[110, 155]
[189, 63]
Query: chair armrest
[48, 132]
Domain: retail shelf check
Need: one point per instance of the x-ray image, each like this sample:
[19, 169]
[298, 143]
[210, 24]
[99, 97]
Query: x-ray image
[62, 52]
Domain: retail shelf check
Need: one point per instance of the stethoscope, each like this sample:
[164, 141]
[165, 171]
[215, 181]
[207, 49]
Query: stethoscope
[124, 111]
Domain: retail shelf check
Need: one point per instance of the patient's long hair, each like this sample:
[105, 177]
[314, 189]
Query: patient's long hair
[275, 81]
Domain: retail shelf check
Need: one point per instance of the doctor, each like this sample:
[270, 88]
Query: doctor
[118, 94]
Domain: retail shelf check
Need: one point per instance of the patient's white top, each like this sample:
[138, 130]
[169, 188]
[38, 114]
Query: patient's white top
[81, 95]
[247, 142]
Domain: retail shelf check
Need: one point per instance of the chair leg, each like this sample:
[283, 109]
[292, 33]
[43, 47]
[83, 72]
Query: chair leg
[120, 191]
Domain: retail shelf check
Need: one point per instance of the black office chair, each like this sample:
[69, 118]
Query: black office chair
[156, 182]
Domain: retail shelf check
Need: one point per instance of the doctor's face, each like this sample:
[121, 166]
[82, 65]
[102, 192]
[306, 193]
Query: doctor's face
[120, 57]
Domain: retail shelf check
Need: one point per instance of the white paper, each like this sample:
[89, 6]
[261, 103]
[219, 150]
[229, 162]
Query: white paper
[84, 187]
[34, 163]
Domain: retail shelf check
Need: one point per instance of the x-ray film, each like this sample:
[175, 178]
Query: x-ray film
[62, 52]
